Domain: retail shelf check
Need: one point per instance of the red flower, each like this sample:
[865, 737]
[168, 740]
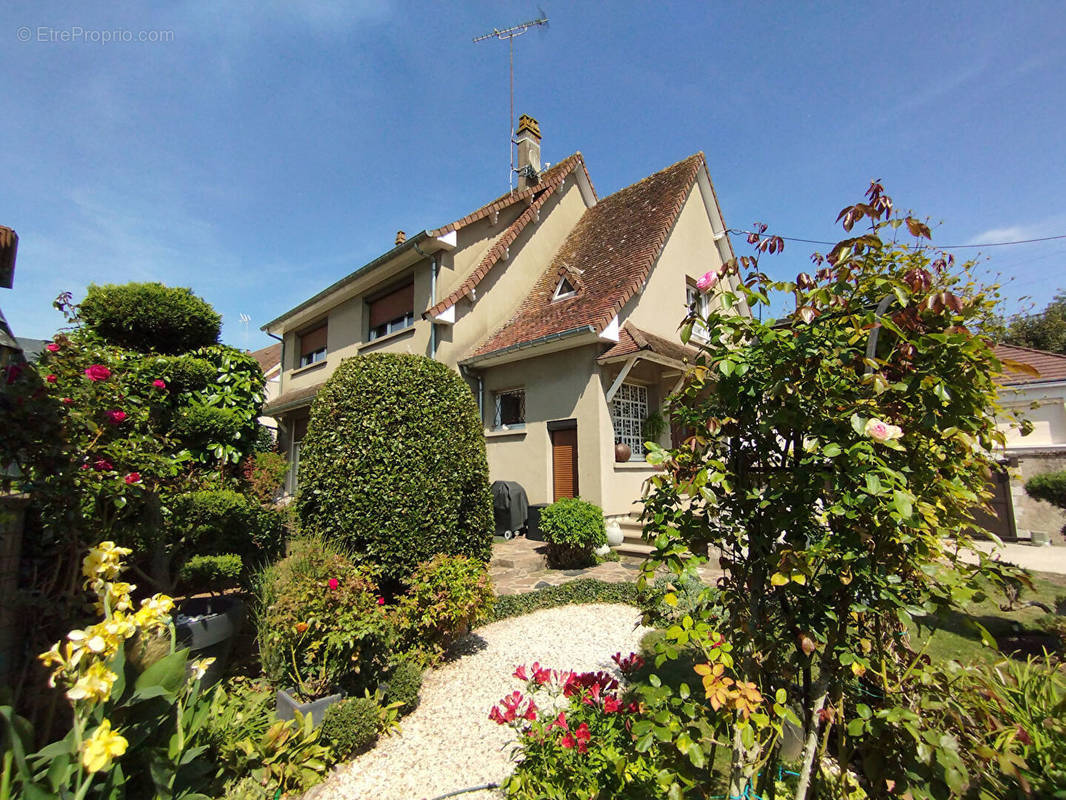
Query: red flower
[52, 348]
[51, 378]
[630, 663]
[116, 416]
[559, 722]
[133, 477]
[531, 711]
[301, 627]
[98, 372]
[333, 584]
[520, 673]
[582, 735]
[567, 742]
[611, 704]
[158, 384]
[102, 464]
[381, 601]
[496, 716]
[67, 401]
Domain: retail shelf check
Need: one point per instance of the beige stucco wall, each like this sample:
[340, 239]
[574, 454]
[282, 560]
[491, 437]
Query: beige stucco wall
[689, 252]
[472, 243]
[509, 282]
[558, 386]
[1048, 418]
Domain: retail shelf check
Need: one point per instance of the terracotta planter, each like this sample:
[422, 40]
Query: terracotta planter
[622, 452]
[289, 705]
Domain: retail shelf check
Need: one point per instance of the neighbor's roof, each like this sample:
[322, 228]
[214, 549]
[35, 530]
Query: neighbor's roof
[632, 339]
[290, 400]
[606, 258]
[1051, 366]
[268, 357]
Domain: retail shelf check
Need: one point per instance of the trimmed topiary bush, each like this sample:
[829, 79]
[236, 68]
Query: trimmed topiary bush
[210, 573]
[573, 528]
[225, 521]
[186, 373]
[197, 426]
[350, 726]
[150, 317]
[393, 464]
[1050, 487]
[405, 683]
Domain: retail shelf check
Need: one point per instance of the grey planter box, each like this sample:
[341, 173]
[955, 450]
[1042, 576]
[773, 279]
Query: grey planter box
[289, 705]
[212, 633]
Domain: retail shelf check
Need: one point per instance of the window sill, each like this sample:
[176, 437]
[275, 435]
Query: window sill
[309, 368]
[501, 434]
[635, 466]
[408, 331]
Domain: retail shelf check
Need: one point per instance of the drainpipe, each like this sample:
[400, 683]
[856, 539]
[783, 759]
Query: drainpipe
[465, 370]
[281, 374]
[433, 267]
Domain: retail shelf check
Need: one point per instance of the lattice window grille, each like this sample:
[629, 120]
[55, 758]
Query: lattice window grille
[628, 412]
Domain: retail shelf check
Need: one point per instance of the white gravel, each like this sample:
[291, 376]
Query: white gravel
[448, 742]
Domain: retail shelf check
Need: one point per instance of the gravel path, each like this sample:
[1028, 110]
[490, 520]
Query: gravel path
[448, 742]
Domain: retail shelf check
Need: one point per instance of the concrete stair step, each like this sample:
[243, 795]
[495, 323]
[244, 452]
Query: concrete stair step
[629, 547]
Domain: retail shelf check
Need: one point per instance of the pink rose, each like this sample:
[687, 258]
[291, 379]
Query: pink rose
[98, 372]
[52, 348]
[133, 477]
[333, 584]
[381, 601]
[158, 384]
[102, 464]
[881, 431]
[67, 401]
[51, 378]
[116, 416]
[709, 279]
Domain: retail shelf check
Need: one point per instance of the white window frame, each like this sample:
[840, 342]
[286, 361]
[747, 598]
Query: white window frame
[393, 326]
[497, 421]
[629, 409]
[559, 293]
[701, 303]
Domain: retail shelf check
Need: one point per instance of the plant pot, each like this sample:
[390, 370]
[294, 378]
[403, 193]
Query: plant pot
[287, 706]
[622, 452]
[208, 626]
[1040, 538]
[615, 537]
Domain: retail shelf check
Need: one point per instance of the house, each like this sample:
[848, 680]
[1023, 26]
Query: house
[559, 308]
[1042, 400]
[269, 360]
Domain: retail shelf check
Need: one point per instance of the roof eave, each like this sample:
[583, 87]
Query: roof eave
[553, 342]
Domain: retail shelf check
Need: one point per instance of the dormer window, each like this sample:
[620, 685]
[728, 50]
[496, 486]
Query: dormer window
[564, 289]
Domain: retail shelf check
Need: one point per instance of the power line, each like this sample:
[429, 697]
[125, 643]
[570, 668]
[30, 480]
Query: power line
[939, 246]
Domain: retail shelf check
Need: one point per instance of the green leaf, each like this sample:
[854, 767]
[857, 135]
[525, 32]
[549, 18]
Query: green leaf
[164, 677]
[873, 484]
[831, 450]
[902, 502]
[858, 424]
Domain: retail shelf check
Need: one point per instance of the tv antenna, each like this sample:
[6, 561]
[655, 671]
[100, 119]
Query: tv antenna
[510, 34]
[245, 319]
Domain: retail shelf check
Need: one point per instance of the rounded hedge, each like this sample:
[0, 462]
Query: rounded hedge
[186, 373]
[350, 726]
[393, 464]
[150, 317]
[218, 521]
[573, 528]
[404, 686]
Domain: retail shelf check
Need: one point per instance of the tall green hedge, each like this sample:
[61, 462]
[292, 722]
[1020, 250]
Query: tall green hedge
[393, 464]
[1050, 486]
[150, 317]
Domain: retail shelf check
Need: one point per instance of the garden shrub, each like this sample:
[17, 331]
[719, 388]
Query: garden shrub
[322, 625]
[446, 597]
[213, 574]
[264, 472]
[394, 465]
[351, 726]
[198, 426]
[213, 521]
[1050, 487]
[573, 528]
[150, 317]
[582, 591]
[404, 686]
[185, 373]
[671, 598]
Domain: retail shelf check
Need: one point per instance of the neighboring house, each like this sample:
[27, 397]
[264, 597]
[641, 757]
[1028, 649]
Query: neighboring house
[559, 308]
[1041, 400]
[269, 360]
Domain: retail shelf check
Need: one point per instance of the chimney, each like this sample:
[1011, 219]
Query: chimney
[401, 237]
[527, 138]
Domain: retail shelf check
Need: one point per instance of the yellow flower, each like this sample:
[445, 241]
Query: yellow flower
[94, 686]
[104, 745]
[154, 611]
[199, 668]
[118, 596]
[103, 562]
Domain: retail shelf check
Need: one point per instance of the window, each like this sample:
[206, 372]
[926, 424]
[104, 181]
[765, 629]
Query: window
[700, 303]
[628, 411]
[510, 409]
[564, 289]
[313, 346]
[392, 311]
[299, 430]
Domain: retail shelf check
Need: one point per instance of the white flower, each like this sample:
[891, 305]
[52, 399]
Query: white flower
[199, 668]
[881, 431]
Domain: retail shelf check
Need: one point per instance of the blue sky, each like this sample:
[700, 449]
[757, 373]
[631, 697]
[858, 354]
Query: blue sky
[268, 148]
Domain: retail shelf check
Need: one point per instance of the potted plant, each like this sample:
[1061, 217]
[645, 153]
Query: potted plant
[653, 426]
[574, 529]
[324, 631]
[209, 625]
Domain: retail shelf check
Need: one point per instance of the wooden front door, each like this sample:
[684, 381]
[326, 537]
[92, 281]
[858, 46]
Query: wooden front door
[564, 463]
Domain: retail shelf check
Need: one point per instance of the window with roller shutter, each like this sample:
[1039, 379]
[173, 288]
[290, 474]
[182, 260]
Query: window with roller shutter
[392, 311]
[313, 346]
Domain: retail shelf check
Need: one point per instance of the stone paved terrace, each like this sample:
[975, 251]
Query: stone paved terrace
[519, 565]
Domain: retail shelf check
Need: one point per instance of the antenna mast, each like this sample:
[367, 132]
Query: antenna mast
[510, 34]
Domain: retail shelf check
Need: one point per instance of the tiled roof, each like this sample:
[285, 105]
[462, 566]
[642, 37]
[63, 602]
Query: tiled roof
[537, 197]
[268, 357]
[552, 175]
[607, 257]
[1051, 366]
[293, 399]
[632, 339]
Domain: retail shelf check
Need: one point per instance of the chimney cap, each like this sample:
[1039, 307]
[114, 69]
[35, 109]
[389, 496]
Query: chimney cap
[401, 237]
[527, 123]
